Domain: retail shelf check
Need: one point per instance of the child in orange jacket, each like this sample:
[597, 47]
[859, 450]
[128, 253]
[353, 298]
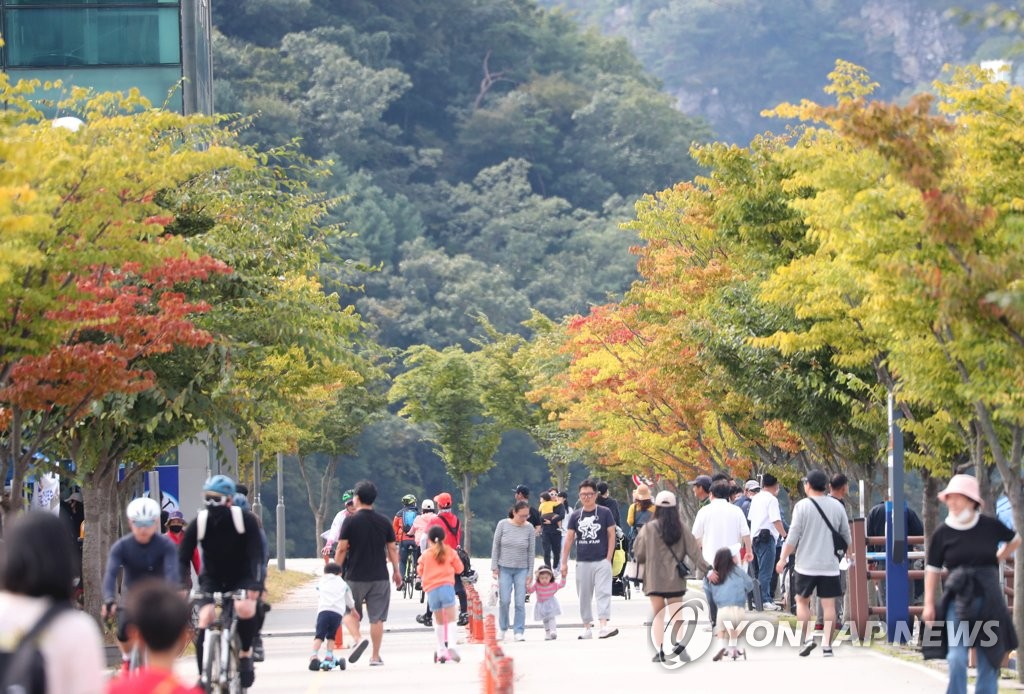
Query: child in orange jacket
[437, 569]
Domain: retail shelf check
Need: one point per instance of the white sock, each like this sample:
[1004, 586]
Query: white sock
[439, 630]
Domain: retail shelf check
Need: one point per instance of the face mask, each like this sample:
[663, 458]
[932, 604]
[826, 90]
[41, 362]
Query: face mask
[965, 516]
[174, 529]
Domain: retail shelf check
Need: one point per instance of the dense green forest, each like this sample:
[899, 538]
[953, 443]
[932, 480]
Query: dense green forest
[485, 153]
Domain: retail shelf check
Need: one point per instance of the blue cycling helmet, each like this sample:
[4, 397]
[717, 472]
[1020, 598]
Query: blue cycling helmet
[241, 502]
[221, 485]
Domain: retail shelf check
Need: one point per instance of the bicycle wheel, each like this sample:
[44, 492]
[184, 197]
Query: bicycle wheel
[211, 662]
[234, 678]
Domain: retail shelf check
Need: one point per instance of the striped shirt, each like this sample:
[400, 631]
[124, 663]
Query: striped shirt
[546, 591]
[514, 546]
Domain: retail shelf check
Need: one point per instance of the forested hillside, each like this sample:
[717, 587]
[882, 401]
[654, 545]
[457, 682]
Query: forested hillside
[484, 155]
[728, 60]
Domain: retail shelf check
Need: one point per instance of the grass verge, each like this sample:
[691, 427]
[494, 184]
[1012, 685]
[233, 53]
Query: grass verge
[280, 583]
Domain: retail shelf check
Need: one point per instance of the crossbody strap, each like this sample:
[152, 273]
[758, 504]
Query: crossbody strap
[31, 636]
[823, 516]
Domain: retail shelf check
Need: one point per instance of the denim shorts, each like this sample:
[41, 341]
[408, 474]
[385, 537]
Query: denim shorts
[441, 597]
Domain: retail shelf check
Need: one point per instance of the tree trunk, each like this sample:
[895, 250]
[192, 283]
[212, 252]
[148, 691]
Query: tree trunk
[467, 485]
[100, 503]
[1009, 468]
[18, 463]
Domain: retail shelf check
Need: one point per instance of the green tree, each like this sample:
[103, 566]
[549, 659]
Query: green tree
[444, 390]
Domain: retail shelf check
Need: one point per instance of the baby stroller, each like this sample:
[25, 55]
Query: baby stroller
[620, 584]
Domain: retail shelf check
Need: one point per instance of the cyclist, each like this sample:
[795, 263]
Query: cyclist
[332, 534]
[402, 523]
[232, 555]
[143, 553]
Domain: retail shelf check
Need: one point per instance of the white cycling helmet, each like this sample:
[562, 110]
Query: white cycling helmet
[427, 505]
[143, 511]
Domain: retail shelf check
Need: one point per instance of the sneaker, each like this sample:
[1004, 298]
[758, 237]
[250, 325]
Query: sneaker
[328, 663]
[807, 648]
[659, 657]
[376, 662]
[520, 636]
[718, 656]
[550, 636]
[400, 587]
[463, 620]
[453, 655]
[827, 651]
[818, 626]
[314, 664]
[358, 651]
[607, 632]
[502, 636]
[771, 607]
[246, 672]
[587, 634]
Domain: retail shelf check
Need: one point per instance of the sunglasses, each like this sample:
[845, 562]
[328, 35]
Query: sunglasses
[216, 500]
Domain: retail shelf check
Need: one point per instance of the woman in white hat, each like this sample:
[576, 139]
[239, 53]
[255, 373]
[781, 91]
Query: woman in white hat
[968, 545]
[662, 544]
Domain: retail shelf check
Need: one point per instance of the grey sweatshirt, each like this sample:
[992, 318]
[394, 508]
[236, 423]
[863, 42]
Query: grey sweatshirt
[513, 546]
[811, 538]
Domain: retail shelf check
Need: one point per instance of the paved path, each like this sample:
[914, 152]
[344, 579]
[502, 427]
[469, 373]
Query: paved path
[621, 663]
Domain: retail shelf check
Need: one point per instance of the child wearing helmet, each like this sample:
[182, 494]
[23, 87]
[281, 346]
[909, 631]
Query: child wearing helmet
[143, 553]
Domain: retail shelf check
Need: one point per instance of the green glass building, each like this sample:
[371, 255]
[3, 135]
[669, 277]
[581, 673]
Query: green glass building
[112, 45]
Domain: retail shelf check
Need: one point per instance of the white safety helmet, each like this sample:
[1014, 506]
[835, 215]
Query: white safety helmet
[143, 511]
[427, 505]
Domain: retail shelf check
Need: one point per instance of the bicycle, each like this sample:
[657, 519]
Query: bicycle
[222, 646]
[410, 578]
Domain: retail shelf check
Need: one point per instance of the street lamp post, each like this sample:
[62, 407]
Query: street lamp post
[280, 511]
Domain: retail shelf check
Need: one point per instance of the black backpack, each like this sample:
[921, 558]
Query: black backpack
[23, 670]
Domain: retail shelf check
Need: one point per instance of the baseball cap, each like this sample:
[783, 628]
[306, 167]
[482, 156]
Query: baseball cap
[703, 481]
[665, 498]
[751, 485]
[522, 489]
[818, 480]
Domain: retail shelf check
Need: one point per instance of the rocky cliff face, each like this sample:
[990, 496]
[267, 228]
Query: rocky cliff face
[728, 60]
[920, 38]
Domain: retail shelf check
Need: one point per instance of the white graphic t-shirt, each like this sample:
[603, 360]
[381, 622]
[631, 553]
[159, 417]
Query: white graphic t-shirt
[591, 528]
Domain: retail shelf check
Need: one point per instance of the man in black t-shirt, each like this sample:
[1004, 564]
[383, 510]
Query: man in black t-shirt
[592, 529]
[605, 499]
[522, 493]
[368, 541]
